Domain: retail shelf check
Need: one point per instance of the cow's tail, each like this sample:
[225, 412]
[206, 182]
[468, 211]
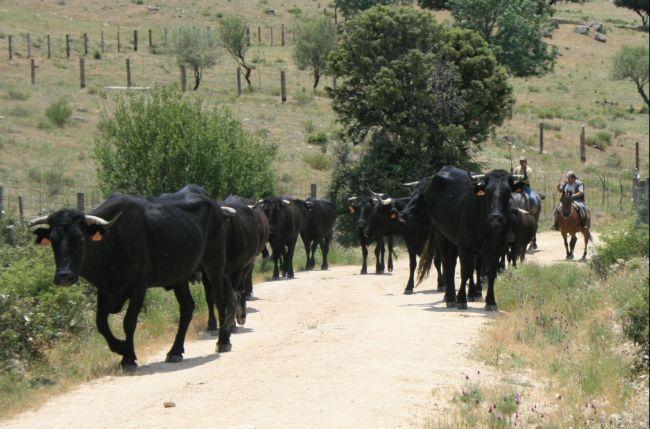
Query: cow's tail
[426, 259]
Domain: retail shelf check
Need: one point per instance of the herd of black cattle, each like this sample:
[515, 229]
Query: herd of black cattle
[129, 244]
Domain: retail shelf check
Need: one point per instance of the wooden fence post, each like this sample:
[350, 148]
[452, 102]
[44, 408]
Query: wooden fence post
[248, 35]
[85, 43]
[119, 44]
[21, 208]
[150, 39]
[283, 86]
[102, 46]
[637, 160]
[82, 72]
[49, 47]
[81, 202]
[67, 46]
[32, 69]
[583, 143]
[135, 40]
[541, 137]
[29, 45]
[2, 194]
[183, 77]
[282, 38]
[313, 190]
[334, 83]
[128, 72]
[11, 51]
[271, 36]
[335, 15]
[165, 37]
[259, 35]
[238, 81]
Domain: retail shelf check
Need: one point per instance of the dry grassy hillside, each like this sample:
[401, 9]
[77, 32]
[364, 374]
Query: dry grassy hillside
[35, 154]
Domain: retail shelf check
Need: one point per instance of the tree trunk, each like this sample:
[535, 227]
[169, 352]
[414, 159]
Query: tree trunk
[644, 17]
[316, 78]
[643, 94]
[247, 76]
[197, 79]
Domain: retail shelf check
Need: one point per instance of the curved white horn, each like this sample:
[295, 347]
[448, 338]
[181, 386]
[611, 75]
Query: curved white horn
[38, 221]
[260, 201]
[352, 199]
[523, 211]
[90, 220]
[386, 201]
[518, 176]
[228, 211]
[286, 202]
[477, 176]
[251, 207]
[409, 184]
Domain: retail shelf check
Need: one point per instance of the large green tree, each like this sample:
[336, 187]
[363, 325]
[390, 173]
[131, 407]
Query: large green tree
[631, 63]
[417, 94]
[197, 48]
[350, 7]
[513, 28]
[315, 38]
[640, 7]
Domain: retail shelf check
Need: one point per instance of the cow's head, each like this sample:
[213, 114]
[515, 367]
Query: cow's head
[273, 207]
[364, 207]
[416, 209]
[493, 191]
[69, 232]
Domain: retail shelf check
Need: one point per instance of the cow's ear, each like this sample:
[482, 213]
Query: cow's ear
[42, 236]
[96, 232]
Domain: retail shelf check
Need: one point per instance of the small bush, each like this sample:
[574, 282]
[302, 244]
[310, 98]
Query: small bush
[621, 243]
[59, 112]
[613, 161]
[296, 11]
[97, 55]
[318, 138]
[318, 161]
[598, 122]
[304, 99]
[309, 126]
[599, 140]
[552, 127]
[617, 131]
[17, 94]
[533, 90]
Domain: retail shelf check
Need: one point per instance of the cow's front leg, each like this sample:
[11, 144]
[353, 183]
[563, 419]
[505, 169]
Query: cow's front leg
[490, 301]
[364, 258]
[101, 319]
[276, 262]
[289, 258]
[412, 265]
[130, 321]
[186, 308]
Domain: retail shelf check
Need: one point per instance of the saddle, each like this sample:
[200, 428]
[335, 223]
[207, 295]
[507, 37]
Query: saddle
[531, 204]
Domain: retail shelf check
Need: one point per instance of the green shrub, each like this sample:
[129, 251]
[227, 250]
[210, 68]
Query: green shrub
[97, 55]
[304, 99]
[552, 127]
[163, 141]
[617, 131]
[597, 122]
[622, 242]
[613, 161]
[317, 138]
[599, 140]
[59, 112]
[17, 94]
[309, 126]
[318, 161]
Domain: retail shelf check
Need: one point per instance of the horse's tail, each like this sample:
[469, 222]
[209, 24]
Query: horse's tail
[426, 259]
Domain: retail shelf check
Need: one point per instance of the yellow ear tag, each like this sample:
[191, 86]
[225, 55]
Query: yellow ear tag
[351, 209]
[97, 236]
[45, 242]
[480, 193]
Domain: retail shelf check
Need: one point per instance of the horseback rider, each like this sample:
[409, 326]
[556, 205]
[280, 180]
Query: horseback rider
[524, 170]
[576, 189]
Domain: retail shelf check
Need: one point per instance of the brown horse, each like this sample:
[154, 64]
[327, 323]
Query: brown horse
[570, 225]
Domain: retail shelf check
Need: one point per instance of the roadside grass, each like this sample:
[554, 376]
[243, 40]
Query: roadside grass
[582, 334]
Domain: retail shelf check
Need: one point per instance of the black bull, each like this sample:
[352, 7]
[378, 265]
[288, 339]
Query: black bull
[317, 229]
[363, 208]
[245, 234]
[285, 222]
[153, 242]
[469, 215]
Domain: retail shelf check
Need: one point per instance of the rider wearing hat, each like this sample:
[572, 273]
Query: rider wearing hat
[524, 170]
[575, 187]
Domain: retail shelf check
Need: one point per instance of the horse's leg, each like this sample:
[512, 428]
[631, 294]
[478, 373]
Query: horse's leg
[585, 234]
[573, 243]
[566, 245]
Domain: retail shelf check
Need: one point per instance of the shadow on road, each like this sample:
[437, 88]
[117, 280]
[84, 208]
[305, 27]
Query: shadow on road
[162, 367]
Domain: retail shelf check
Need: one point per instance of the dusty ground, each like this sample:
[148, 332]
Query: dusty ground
[329, 349]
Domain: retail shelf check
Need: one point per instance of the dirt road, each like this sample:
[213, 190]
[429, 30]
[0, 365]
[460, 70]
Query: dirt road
[329, 349]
